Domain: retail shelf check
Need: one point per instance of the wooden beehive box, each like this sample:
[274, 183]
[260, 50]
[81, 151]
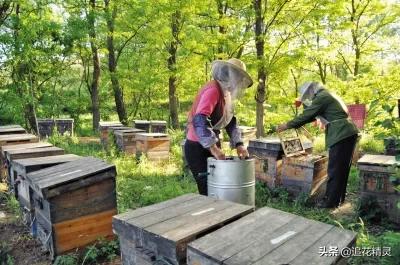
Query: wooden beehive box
[111, 135]
[375, 174]
[103, 129]
[305, 174]
[163, 230]
[126, 140]
[28, 153]
[248, 133]
[21, 167]
[3, 149]
[74, 203]
[269, 237]
[158, 126]
[46, 126]
[268, 160]
[13, 139]
[11, 129]
[154, 145]
[142, 124]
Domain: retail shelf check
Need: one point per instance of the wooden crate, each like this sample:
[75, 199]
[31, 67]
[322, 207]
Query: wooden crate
[268, 160]
[166, 228]
[28, 153]
[270, 236]
[103, 129]
[46, 126]
[3, 149]
[305, 174]
[13, 139]
[21, 167]
[110, 134]
[142, 124]
[154, 145]
[126, 140]
[158, 126]
[248, 133]
[11, 129]
[74, 203]
[375, 174]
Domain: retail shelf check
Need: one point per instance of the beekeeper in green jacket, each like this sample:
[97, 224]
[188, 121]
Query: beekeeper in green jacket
[340, 136]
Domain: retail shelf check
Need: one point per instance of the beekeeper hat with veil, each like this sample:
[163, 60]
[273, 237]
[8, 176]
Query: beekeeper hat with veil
[231, 76]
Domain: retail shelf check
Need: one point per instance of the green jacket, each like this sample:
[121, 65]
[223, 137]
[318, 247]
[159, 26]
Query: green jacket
[325, 105]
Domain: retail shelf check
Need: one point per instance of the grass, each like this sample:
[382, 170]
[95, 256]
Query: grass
[142, 182]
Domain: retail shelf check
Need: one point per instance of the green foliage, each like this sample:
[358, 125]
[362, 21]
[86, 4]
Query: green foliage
[69, 259]
[369, 144]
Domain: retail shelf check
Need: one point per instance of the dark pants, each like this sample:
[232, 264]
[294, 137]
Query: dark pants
[340, 156]
[196, 157]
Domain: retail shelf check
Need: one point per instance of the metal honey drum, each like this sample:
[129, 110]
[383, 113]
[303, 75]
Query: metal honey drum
[231, 179]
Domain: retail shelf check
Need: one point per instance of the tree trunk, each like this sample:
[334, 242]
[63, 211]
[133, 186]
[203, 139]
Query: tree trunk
[222, 7]
[23, 81]
[261, 88]
[94, 88]
[173, 48]
[112, 64]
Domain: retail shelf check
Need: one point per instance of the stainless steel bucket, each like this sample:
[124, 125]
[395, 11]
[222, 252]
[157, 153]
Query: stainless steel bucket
[232, 180]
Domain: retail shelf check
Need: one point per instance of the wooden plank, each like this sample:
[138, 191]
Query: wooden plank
[17, 137]
[80, 232]
[267, 236]
[24, 146]
[10, 126]
[382, 160]
[43, 161]
[79, 168]
[97, 197]
[223, 244]
[42, 174]
[334, 238]
[61, 179]
[12, 131]
[33, 152]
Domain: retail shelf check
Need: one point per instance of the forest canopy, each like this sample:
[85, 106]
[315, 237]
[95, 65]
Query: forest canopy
[146, 59]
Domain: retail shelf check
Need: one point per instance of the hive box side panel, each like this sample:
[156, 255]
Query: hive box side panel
[91, 199]
[82, 231]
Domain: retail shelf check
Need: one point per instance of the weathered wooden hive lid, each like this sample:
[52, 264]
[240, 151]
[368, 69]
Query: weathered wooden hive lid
[378, 160]
[158, 122]
[141, 122]
[273, 144]
[71, 175]
[106, 124]
[22, 136]
[10, 126]
[46, 160]
[24, 146]
[130, 130]
[153, 135]
[115, 128]
[33, 150]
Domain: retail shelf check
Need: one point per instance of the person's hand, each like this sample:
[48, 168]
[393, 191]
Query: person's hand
[217, 153]
[242, 152]
[281, 127]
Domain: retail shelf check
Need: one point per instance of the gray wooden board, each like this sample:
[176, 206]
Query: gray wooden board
[17, 137]
[167, 227]
[128, 131]
[382, 160]
[268, 236]
[12, 131]
[24, 146]
[10, 126]
[52, 177]
[22, 153]
[26, 165]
